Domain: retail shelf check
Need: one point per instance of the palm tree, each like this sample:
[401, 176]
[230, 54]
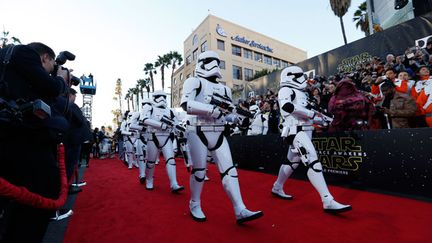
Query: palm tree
[5, 39]
[163, 62]
[127, 97]
[150, 69]
[135, 91]
[340, 7]
[131, 93]
[176, 59]
[141, 84]
[361, 18]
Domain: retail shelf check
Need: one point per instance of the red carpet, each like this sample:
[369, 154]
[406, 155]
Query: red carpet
[114, 207]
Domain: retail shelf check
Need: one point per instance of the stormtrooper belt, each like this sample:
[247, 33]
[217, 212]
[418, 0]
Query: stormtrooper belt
[217, 128]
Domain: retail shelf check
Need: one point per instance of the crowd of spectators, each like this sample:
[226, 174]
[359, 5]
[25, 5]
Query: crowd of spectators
[384, 93]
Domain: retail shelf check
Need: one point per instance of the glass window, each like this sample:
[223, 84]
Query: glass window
[188, 60]
[204, 46]
[222, 64]
[181, 76]
[237, 72]
[267, 60]
[221, 45]
[247, 53]
[258, 57]
[248, 74]
[284, 64]
[276, 62]
[236, 50]
[195, 54]
[175, 80]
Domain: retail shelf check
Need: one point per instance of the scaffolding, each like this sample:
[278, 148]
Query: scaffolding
[88, 90]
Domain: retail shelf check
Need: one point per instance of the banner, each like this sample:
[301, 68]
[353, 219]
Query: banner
[398, 160]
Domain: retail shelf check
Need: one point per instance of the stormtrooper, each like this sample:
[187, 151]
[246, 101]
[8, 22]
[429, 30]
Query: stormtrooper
[129, 140]
[299, 119]
[205, 131]
[259, 125]
[142, 137]
[160, 122]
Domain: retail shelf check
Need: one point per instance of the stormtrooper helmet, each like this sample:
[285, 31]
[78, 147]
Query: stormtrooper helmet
[208, 65]
[159, 99]
[293, 77]
[145, 102]
[254, 109]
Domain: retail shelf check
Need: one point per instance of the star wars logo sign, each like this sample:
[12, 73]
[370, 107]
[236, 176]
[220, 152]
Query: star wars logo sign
[349, 64]
[339, 155]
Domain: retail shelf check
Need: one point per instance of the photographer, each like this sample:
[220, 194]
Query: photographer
[28, 143]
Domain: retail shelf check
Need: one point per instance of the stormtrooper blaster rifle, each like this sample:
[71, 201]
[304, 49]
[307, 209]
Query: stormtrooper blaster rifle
[224, 103]
[170, 123]
[182, 140]
[326, 117]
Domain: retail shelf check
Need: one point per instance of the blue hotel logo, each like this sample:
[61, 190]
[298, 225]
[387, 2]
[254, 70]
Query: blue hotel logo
[251, 43]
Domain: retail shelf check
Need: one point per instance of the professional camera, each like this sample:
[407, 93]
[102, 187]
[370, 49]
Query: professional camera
[60, 60]
[13, 112]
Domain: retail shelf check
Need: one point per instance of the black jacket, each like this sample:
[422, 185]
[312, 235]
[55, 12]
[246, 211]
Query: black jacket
[27, 80]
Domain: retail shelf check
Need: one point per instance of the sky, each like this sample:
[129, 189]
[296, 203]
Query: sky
[114, 38]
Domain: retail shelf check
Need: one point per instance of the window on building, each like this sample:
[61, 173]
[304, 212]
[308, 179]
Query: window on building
[195, 54]
[277, 62]
[181, 76]
[222, 64]
[248, 74]
[221, 45]
[193, 73]
[247, 54]
[237, 72]
[204, 46]
[175, 80]
[284, 64]
[267, 60]
[188, 60]
[236, 50]
[258, 57]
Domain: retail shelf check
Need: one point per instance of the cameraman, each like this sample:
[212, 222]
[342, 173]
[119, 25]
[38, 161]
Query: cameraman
[28, 149]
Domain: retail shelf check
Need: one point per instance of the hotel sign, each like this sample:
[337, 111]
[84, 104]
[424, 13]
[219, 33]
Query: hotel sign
[251, 43]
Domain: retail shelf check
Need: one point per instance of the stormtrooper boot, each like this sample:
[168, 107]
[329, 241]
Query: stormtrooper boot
[247, 215]
[196, 212]
[278, 191]
[331, 206]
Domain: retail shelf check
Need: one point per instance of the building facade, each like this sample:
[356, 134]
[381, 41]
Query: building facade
[242, 51]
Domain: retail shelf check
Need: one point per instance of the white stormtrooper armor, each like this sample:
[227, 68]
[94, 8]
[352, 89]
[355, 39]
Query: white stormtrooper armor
[129, 140]
[206, 124]
[259, 125]
[160, 139]
[297, 131]
[142, 137]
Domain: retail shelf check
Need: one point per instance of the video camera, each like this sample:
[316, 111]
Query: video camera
[11, 111]
[61, 59]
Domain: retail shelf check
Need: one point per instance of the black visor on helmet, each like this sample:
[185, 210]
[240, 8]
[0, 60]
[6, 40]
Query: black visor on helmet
[296, 75]
[157, 97]
[209, 60]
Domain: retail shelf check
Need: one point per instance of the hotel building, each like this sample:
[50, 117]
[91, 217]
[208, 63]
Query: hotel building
[242, 51]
